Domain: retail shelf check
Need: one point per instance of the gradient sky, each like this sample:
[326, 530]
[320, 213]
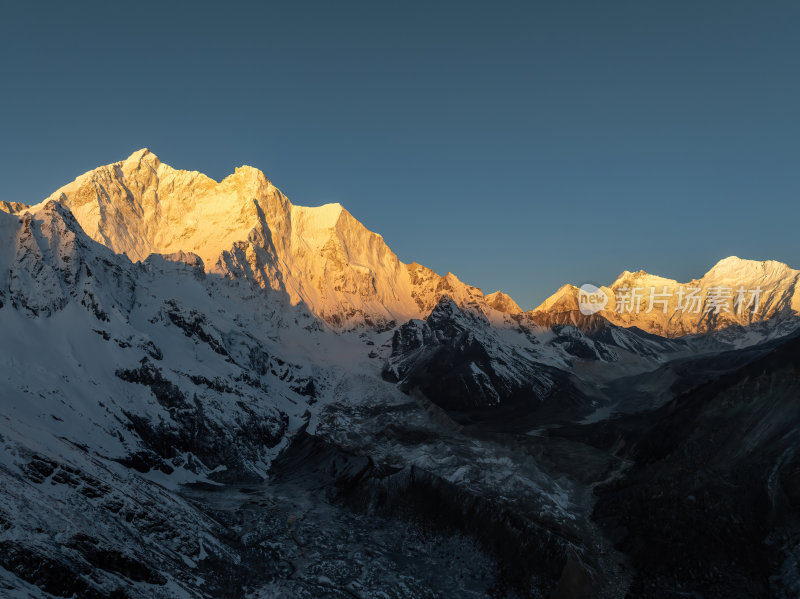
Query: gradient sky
[518, 145]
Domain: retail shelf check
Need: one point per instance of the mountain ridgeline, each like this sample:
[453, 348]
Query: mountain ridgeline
[211, 392]
[244, 227]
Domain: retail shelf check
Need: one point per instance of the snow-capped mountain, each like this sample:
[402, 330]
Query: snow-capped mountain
[207, 391]
[84, 319]
[132, 391]
[244, 227]
[734, 292]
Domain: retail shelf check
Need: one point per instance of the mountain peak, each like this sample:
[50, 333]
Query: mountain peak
[564, 299]
[503, 303]
[248, 174]
[243, 226]
[641, 278]
[736, 272]
[734, 263]
[55, 210]
[138, 154]
[143, 155]
[731, 260]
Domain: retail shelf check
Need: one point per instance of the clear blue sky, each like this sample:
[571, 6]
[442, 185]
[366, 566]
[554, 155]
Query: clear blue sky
[519, 145]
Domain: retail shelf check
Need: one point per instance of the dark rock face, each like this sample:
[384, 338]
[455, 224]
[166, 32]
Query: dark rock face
[587, 323]
[463, 364]
[195, 325]
[713, 482]
[577, 344]
[112, 560]
[50, 575]
[531, 556]
[456, 361]
[191, 431]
